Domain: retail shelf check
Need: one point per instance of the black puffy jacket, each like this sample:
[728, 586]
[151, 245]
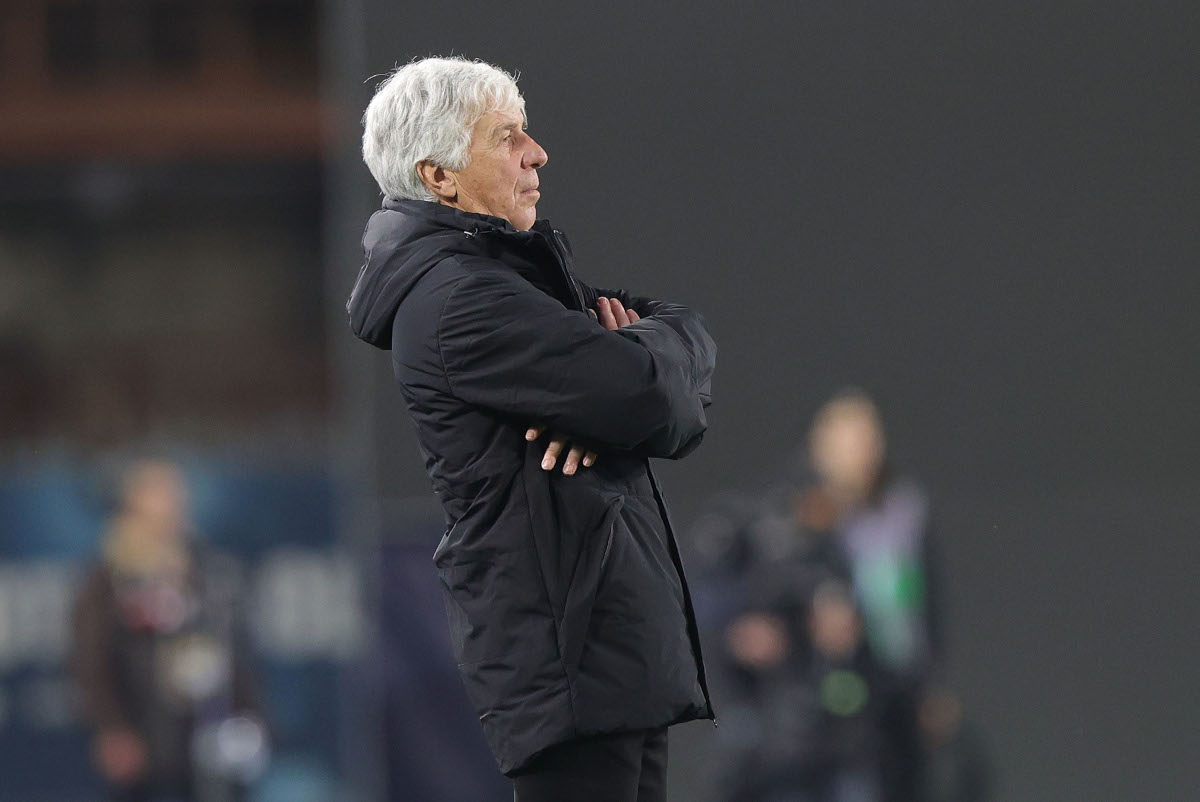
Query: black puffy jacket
[569, 612]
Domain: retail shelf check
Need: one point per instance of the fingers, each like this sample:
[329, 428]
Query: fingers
[574, 456]
[619, 313]
[552, 451]
[606, 314]
[612, 315]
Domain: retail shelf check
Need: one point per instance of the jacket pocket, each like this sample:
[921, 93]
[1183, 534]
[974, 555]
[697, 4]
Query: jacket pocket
[586, 584]
[495, 605]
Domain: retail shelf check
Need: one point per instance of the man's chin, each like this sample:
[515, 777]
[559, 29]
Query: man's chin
[525, 220]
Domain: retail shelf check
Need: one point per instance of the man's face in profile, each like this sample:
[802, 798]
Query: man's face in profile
[502, 178]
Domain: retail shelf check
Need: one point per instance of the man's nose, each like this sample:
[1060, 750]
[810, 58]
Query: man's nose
[535, 155]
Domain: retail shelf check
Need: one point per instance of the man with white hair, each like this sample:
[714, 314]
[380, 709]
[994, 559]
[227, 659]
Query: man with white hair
[569, 613]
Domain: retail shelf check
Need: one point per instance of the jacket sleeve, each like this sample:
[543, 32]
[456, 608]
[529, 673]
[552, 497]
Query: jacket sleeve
[508, 347]
[648, 307]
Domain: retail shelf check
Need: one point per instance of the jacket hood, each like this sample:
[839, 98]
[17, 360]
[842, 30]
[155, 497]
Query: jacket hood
[403, 241]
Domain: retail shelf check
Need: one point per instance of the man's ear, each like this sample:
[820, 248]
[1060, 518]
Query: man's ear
[440, 181]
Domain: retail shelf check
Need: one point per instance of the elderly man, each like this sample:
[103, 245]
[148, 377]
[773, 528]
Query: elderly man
[569, 612]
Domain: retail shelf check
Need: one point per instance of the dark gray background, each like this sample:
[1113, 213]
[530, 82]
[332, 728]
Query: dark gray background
[986, 214]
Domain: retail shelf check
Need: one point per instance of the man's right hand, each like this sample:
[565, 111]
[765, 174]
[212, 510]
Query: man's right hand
[575, 457]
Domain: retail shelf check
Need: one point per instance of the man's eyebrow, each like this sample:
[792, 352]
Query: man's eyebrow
[505, 126]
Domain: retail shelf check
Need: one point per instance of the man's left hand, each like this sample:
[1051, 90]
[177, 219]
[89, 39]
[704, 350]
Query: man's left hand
[614, 316]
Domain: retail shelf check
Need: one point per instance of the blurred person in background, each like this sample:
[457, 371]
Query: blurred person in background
[816, 699]
[158, 655]
[824, 591]
[805, 699]
[881, 522]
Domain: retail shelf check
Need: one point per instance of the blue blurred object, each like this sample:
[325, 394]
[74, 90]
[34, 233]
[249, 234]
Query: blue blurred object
[280, 525]
[434, 744]
[297, 778]
[50, 511]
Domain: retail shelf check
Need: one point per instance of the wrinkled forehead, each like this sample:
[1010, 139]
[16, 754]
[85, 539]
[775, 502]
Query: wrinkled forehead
[492, 126]
[509, 111]
[503, 119]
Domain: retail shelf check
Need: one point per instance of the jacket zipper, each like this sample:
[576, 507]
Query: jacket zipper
[560, 254]
[558, 250]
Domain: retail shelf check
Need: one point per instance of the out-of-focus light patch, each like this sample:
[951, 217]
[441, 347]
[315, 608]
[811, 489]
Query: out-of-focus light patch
[196, 668]
[844, 693]
[304, 778]
[35, 610]
[233, 749]
[308, 606]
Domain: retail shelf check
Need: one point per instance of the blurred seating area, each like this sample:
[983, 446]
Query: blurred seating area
[161, 295]
[153, 79]
[159, 223]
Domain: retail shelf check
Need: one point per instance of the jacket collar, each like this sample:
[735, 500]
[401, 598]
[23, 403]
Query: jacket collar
[449, 216]
[516, 247]
[467, 222]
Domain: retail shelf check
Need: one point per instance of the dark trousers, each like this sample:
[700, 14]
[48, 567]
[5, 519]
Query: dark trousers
[629, 767]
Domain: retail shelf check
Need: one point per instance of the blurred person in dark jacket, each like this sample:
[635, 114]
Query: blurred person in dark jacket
[845, 516]
[882, 524]
[881, 521]
[820, 699]
[570, 617]
[157, 655]
[804, 697]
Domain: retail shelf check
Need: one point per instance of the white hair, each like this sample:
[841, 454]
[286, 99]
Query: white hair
[426, 111]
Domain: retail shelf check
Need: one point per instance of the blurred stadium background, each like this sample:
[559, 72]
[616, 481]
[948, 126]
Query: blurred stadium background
[984, 213]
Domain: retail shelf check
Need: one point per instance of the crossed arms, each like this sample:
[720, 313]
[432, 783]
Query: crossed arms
[633, 380]
[612, 315]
